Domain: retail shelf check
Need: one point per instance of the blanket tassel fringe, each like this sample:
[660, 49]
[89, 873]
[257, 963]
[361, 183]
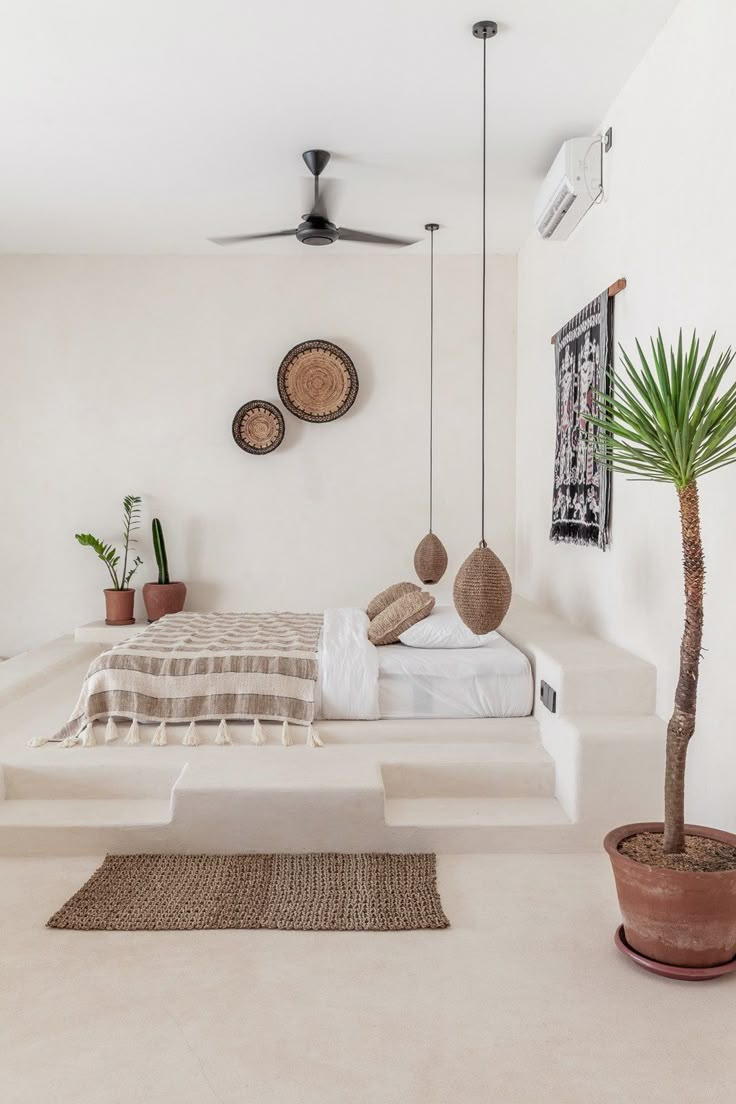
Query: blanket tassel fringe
[38, 741]
[159, 737]
[76, 738]
[223, 735]
[191, 736]
[87, 737]
[134, 733]
[314, 740]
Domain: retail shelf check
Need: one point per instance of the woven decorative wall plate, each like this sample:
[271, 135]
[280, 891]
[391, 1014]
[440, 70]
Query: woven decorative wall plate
[258, 427]
[317, 381]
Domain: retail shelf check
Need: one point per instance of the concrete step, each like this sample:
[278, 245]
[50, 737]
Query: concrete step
[523, 772]
[71, 778]
[469, 812]
[92, 813]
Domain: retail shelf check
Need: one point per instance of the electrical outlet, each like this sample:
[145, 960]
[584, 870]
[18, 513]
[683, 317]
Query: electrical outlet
[548, 696]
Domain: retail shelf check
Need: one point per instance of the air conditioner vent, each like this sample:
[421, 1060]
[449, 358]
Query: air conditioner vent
[570, 188]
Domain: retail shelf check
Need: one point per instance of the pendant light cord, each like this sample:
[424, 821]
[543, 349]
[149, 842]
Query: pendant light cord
[431, 374]
[483, 333]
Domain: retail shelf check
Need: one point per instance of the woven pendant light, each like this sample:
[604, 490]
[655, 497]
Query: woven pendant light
[482, 590]
[430, 558]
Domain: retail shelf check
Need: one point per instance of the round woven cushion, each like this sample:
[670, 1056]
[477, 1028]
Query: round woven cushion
[258, 427]
[383, 600]
[317, 381]
[388, 626]
[482, 591]
[430, 559]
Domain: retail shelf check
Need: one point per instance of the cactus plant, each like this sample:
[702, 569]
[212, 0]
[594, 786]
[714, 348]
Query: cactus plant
[163, 597]
[159, 548]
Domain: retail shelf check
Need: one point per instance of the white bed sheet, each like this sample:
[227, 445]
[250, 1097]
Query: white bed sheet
[492, 681]
[347, 686]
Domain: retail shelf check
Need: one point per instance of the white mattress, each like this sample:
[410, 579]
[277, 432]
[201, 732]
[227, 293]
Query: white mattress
[492, 681]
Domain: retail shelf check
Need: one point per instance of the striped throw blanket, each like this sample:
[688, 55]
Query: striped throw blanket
[205, 667]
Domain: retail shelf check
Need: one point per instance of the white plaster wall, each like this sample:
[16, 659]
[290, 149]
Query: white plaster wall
[122, 374]
[667, 225]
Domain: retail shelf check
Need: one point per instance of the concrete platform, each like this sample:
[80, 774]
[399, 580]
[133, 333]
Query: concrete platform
[551, 782]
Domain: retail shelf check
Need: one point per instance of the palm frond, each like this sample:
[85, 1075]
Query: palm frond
[665, 419]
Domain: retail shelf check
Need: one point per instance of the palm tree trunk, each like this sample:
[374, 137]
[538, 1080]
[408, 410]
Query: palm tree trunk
[682, 722]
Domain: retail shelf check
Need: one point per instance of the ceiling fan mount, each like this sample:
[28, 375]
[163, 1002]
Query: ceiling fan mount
[317, 231]
[316, 161]
[316, 228]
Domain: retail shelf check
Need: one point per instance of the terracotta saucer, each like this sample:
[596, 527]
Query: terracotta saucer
[679, 973]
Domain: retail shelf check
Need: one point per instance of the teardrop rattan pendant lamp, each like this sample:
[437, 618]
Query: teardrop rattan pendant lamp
[482, 590]
[430, 558]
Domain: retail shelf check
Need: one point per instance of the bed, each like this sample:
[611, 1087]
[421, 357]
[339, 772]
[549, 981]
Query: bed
[293, 668]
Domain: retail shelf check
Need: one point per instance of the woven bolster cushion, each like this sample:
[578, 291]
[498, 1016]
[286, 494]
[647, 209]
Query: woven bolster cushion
[383, 600]
[406, 611]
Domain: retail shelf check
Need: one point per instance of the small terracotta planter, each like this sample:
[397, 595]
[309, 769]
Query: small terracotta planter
[119, 607]
[163, 598]
[677, 917]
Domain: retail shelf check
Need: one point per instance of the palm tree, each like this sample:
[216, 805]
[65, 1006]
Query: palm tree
[665, 421]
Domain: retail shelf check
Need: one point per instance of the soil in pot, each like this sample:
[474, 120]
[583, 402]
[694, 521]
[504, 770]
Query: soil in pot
[700, 854]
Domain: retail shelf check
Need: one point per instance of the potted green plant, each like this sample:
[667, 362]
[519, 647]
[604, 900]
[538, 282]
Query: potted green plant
[164, 596]
[119, 598]
[668, 420]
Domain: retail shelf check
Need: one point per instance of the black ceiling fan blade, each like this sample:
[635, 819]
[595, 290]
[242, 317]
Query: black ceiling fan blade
[233, 239]
[373, 239]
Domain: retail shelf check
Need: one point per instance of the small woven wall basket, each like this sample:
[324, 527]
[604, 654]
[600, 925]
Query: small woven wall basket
[482, 591]
[258, 427]
[430, 559]
[317, 381]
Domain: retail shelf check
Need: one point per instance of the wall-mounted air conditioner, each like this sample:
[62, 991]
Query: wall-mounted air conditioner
[570, 188]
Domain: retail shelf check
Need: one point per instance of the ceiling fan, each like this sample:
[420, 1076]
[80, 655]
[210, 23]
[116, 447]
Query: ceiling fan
[315, 227]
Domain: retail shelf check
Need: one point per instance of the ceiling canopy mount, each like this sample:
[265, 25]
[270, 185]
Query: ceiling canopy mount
[486, 28]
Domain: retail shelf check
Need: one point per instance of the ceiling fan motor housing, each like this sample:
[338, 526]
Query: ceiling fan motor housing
[317, 231]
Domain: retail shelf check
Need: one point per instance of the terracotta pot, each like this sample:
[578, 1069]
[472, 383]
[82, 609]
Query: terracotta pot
[679, 917]
[163, 598]
[119, 607]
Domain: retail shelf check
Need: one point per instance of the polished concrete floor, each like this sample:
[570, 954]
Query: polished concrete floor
[523, 1001]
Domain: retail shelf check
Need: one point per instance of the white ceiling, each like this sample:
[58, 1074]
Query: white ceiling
[145, 126]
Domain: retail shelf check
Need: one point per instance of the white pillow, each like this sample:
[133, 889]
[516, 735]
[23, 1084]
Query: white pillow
[443, 629]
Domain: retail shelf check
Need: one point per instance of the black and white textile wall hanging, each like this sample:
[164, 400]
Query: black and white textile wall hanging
[581, 506]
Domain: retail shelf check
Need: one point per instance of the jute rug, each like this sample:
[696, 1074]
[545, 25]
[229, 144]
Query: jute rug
[313, 892]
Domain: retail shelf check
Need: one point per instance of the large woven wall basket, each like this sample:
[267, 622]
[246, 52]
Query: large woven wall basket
[317, 381]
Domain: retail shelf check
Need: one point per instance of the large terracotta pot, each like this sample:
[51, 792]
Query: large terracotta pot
[119, 607]
[163, 598]
[678, 917]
